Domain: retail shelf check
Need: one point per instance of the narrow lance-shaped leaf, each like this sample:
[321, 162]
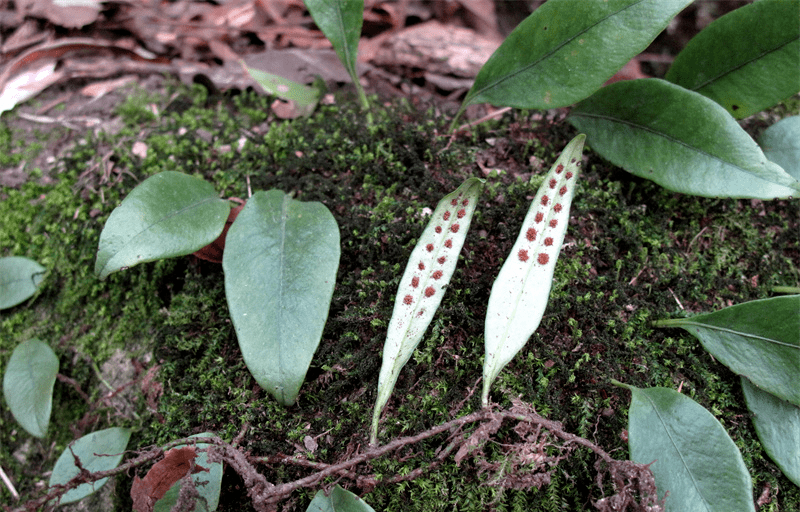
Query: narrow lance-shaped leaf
[689, 452]
[520, 292]
[567, 49]
[28, 385]
[99, 451]
[423, 284]
[680, 139]
[341, 21]
[747, 60]
[169, 214]
[280, 263]
[759, 340]
[777, 424]
[19, 279]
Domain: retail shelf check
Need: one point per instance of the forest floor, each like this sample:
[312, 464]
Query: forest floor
[152, 348]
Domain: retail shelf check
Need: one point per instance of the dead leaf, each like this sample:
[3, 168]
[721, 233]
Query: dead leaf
[176, 464]
[139, 149]
[99, 89]
[28, 84]
[64, 13]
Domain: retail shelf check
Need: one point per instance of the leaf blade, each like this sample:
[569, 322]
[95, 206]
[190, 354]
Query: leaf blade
[682, 140]
[28, 385]
[744, 74]
[97, 451]
[570, 50]
[781, 144]
[777, 423]
[692, 456]
[520, 293]
[340, 21]
[340, 500]
[423, 285]
[169, 214]
[280, 263]
[20, 278]
[759, 340]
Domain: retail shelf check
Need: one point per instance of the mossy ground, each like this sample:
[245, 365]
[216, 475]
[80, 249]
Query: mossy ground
[634, 253]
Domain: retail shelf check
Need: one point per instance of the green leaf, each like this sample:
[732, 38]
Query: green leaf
[567, 49]
[777, 424]
[280, 263]
[781, 144]
[520, 292]
[169, 214]
[98, 451]
[305, 98]
[208, 483]
[429, 269]
[759, 340]
[28, 385]
[680, 139]
[341, 21]
[340, 500]
[19, 280]
[692, 456]
[746, 60]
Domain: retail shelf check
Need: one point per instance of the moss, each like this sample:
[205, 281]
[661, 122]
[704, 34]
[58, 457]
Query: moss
[633, 254]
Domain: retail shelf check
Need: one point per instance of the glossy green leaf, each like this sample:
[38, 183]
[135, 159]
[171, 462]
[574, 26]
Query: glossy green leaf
[427, 274]
[522, 288]
[208, 483]
[341, 21]
[280, 263]
[19, 279]
[777, 424]
[340, 500]
[692, 456]
[680, 139]
[759, 340]
[747, 60]
[567, 49]
[99, 451]
[305, 98]
[169, 214]
[28, 385]
[781, 144]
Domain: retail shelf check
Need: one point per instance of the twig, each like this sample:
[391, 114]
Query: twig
[8, 483]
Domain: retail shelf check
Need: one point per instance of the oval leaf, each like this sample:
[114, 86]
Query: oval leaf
[692, 456]
[746, 60]
[759, 340]
[680, 139]
[98, 451]
[341, 21]
[280, 263]
[781, 144]
[423, 285]
[566, 50]
[19, 280]
[520, 292]
[169, 214]
[777, 424]
[340, 500]
[208, 481]
[28, 385]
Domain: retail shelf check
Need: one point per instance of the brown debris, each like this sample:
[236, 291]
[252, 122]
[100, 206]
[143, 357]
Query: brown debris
[176, 464]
